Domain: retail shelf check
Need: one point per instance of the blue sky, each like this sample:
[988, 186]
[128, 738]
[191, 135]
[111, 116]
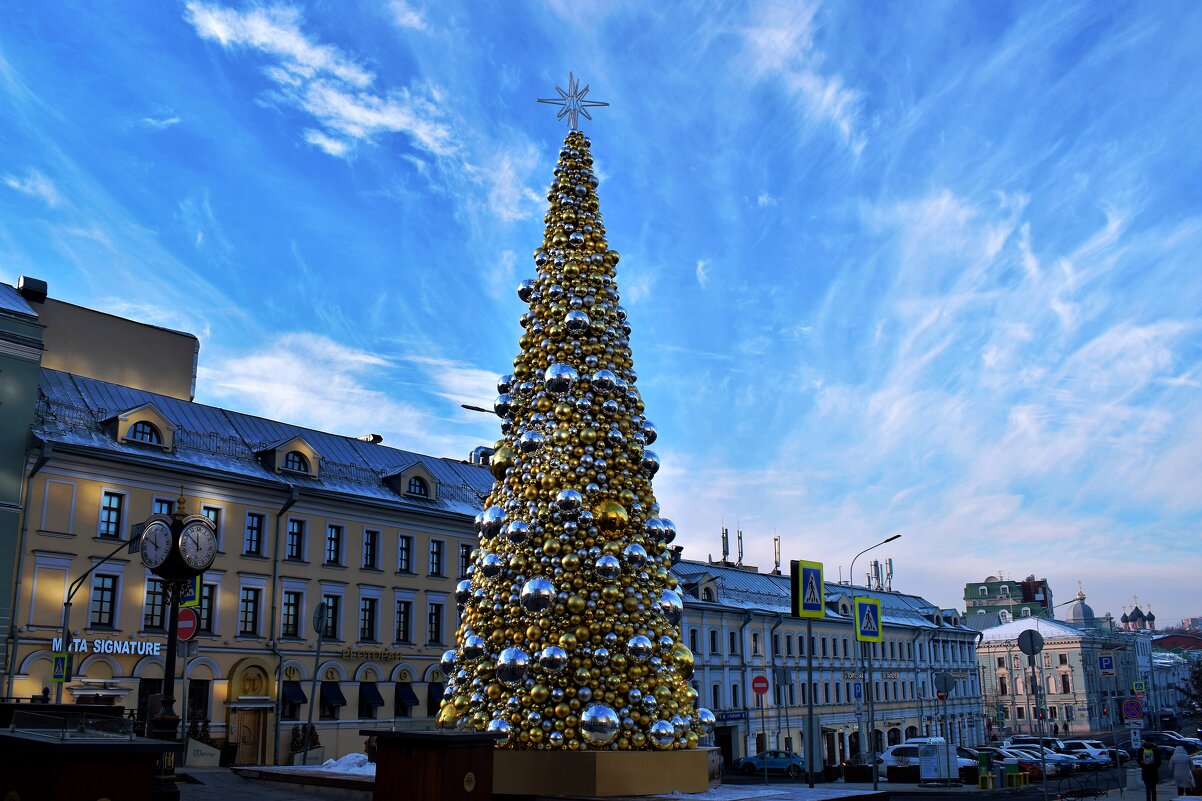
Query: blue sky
[917, 267]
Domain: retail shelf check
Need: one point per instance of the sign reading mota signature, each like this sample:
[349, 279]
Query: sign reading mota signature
[107, 646]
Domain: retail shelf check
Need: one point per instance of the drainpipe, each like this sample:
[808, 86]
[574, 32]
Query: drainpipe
[780, 691]
[293, 497]
[914, 650]
[13, 638]
[743, 668]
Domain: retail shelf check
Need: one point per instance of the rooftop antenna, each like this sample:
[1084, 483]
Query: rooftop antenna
[889, 574]
[740, 533]
[776, 553]
[725, 544]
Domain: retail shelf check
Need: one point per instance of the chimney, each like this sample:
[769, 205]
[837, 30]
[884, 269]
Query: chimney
[33, 290]
[374, 439]
[481, 455]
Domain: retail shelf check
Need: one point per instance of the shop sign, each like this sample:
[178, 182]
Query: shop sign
[878, 674]
[732, 716]
[102, 645]
[375, 655]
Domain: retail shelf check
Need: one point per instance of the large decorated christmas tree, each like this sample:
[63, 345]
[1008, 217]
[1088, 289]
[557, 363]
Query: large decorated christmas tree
[570, 627]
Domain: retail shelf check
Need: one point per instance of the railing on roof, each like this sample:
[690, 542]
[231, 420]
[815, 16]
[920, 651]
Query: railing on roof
[234, 447]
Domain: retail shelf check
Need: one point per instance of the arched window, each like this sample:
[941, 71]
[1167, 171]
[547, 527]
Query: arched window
[418, 487]
[143, 431]
[296, 461]
[707, 594]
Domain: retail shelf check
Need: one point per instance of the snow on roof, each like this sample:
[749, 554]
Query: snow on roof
[1050, 629]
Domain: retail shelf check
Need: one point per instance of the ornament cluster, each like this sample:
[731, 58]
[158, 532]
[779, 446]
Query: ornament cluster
[570, 620]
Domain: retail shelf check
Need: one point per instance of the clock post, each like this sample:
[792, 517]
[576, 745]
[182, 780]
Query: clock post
[177, 548]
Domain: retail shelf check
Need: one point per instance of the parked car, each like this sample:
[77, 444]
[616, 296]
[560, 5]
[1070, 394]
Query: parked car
[1058, 764]
[1093, 750]
[1165, 742]
[1024, 761]
[908, 753]
[1179, 736]
[786, 762]
[1054, 743]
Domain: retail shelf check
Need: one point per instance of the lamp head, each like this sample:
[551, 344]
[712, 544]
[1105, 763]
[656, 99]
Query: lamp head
[891, 539]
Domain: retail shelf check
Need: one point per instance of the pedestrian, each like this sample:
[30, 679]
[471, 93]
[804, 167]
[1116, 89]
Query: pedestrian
[1055, 729]
[1149, 769]
[1183, 775]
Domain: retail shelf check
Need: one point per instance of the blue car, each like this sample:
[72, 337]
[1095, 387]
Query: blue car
[785, 762]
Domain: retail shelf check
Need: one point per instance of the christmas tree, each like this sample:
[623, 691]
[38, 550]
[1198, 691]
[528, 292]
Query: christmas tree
[570, 632]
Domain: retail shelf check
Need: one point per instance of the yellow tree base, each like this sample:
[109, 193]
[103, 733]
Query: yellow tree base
[605, 774]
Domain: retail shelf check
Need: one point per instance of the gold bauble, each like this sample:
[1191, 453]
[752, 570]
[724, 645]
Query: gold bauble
[563, 411]
[570, 562]
[447, 716]
[567, 641]
[576, 603]
[588, 436]
[639, 739]
[501, 461]
[690, 739]
[551, 547]
[539, 693]
[683, 657]
[611, 516]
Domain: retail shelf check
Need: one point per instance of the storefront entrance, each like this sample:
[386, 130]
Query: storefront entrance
[724, 737]
[248, 728]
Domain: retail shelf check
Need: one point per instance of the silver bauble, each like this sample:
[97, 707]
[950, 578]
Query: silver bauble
[526, 290]
[601, 656]
[512, 665]
[649, 702]
[650, 463]
[569, 502]
[669, 529]
[553, 659]
[504, 383]
[653, 528]
[449, 659]
[463, 591]
[649, 432]
[598, 724]
[491, 520]
[639, 648]
[537, 595]
[503, 405]
[500, 726]
[531, 441]
[670, 606]
[473, 646]
[577, 322]
[560, 378]
[585, 694]
[603, 381]
[634, 555]
[706, 720]
[662, 734]
[517, 531]
[679, 724]
[491, 565]
[608, 567]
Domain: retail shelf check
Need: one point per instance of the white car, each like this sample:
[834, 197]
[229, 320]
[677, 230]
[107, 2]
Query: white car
[1095, 749]
[907, 754]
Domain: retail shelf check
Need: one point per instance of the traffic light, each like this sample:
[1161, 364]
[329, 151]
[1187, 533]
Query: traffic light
[1105, 709]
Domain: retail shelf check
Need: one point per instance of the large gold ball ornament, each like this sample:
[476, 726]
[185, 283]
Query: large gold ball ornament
[682, 655]
[611, 516]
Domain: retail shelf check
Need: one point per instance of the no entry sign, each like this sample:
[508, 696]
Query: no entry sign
[188, 623]
[759, 685]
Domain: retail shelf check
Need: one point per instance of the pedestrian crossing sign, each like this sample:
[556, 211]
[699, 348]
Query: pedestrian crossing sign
[60, 671]
[868, 619]
[190, 592]
[807, 590]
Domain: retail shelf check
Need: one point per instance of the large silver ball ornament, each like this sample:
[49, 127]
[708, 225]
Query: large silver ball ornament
[706, 720]
[639, 648]
[463, 592]
[679, 724]
[670, 606]
[504, 383]
[650, 703]
[649, 432]
[491, 565]
[669, 529]
[608, 567]
[598, 724]
[650, 463]
[537, 595]
[526, 290]
[653, 528]
[500, 726]
[577, 322]
[662, 734]
[491, 520]
[560, 378]
[634, 555]
[569, 502]
[601, 657]
[585, 694]
[531, 441]
[512, 665]
[448, 661]
[473, 646]
[517, 531]
[503, 405]
[603, 381]
[553, 659]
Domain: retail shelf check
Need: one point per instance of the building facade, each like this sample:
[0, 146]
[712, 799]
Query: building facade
[377, 534]
[737, 623]
[1030, 597]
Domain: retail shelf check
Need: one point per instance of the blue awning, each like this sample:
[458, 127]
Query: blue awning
[405, 694]
[331, 694]
[368, 694]
[294, 693]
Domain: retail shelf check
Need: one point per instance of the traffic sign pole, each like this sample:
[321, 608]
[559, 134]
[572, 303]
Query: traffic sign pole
[759, 685]
[319, 627]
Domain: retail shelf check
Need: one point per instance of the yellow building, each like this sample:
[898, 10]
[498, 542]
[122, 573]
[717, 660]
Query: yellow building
[380, 535]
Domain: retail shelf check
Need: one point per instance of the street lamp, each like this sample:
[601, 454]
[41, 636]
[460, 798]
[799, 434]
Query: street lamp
[860, 652]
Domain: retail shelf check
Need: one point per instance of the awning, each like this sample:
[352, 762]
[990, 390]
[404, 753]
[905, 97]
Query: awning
[434, 693]
[405, 694]
[294, 693]
[331, 694]
[368, 694]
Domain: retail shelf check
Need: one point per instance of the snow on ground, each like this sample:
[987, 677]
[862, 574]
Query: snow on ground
[351, 763]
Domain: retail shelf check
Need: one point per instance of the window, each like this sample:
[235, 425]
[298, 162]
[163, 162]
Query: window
[252, 540]
[104, 601]
[1047, 660]
[1026, 611]
[293, 697]
[198, 698]
[788, 645]
[290, 623]
[248, 612]
[332, 700]
[707, 594]
[143, 431]
[206, 610]
[1063, 659]
[716, 694]
[369, 700]
[713, 641]
[419, 487]
[332, 616]
[214, 515]
[404, 621]
[1001, 661]
[736, 698]
[755, 643]
[844, 647]
[436, 553]
[404, 700]
[333, 545]
[296, 462]
[693, 640]
[367, 619]
[111, 506]
[984, 592]
[824, 646]
[163, 506]
[155, 614]
[734, 643]
[465, 559]
[371, 549]
[404, 554]
[434, 624]
[295, 548]
[1066, 685]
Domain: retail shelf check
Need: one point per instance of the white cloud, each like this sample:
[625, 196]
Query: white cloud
[325, 82]
[406, 16]
[703, 276]
[161, 123]
[36, 185]
[509, 197]
[764, 200]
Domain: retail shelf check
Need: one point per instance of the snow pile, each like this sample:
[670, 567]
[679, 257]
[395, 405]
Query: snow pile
[356, 764]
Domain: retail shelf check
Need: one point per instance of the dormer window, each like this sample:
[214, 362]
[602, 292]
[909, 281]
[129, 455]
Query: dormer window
[707, 594]
[143, 431]
[296, 462]
[419, 487]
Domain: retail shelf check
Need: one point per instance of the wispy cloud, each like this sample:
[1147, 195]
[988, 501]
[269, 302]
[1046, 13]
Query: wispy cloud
[406, 16]
[161, 122]
[703, 274]
[324, 82]
[36, 185]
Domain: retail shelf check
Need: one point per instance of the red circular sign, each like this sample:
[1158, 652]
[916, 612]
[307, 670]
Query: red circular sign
[188, 624]
[942, 696]
[759, 685]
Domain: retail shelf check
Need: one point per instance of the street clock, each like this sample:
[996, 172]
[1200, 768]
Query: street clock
[177, 547]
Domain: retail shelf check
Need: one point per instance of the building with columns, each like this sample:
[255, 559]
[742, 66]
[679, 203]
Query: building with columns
[737, 623]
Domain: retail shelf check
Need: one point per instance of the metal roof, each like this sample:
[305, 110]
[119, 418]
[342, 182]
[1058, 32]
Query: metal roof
[1051, 629]
[12, 301]
[71, 409]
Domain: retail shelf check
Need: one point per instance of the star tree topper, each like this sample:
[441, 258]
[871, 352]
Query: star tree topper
[573, 102]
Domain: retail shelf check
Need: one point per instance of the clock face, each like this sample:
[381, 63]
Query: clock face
[156, 544]
[198, 546]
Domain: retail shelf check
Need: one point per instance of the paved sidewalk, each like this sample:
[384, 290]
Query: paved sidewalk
[222, 784]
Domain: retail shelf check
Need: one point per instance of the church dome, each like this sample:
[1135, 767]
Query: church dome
[1080, 613]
